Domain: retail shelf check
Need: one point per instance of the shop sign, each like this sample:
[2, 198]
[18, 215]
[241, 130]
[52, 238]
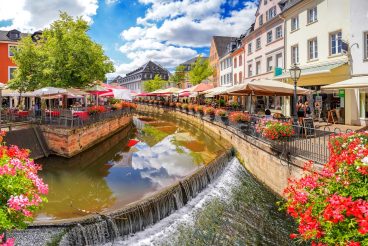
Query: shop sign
[341, 93]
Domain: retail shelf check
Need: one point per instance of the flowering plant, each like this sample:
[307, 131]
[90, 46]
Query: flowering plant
[190, 106]
[331, 205]
[238, 116]
[275, 130]
[172, 104]
[178, 105]
[184, 106]
[221, 112]
[198, 108]
[21, 190]
[209, 111]
[96, 109]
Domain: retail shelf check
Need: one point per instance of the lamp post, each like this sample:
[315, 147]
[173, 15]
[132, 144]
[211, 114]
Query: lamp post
[295, 72]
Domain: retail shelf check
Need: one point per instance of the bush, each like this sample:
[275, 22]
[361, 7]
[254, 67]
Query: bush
[237, 117]
[184, 106]
[331, 205]
[275, 130]
[21, 191]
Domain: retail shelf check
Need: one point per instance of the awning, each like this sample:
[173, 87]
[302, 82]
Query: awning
[170, 90]
[314, 70]
[202, 87]
[265, 87]
[216, 91]
[355, 82]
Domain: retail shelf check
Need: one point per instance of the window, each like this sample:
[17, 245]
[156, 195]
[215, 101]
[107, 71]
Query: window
[250, 70]
[295, 54]
[240, 77]
[258, 43]
[10, 48]
[335, 43]
[313, 49]
[260, 20]
[11, 72]
[265, 2]
[271, 13]
[366, 45]
[235, 62]
[228, 78]
[258, 67]
[235, 78]
[231, 77]
[269, 37]
[269, 64]
[294, 23]
[312, 15]
[279, 60]
[240, 60]
[249, 48]
[278, 32]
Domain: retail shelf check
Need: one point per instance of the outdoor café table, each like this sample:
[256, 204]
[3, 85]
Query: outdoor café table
[53, 113]
[83, 115]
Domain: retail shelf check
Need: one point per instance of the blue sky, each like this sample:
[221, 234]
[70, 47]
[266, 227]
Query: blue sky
[132, 32]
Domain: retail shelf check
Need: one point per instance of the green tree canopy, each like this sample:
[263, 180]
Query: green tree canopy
[200, 71]
[178, 78]
[156, 83]
[65, 56]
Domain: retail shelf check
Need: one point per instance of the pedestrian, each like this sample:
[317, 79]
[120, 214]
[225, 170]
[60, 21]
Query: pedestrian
[308, 110]
[300, 109]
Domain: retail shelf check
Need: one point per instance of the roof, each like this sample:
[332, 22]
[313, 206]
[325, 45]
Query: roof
[287, 4]
[146, 67]
[193, 60]
[313, 70]
[4, 35]
[221, 43]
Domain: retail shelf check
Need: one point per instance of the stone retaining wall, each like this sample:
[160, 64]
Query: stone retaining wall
[70, 142]
[258, 157]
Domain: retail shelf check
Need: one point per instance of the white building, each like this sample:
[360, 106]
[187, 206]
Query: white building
[226, 70]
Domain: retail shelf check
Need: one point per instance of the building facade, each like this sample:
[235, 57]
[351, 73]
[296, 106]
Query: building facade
[315, 33]
[218, 50]
[135, 79]
[8, 40]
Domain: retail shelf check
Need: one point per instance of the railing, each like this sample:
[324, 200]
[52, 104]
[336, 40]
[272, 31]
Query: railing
[61, 117]
[307, 143]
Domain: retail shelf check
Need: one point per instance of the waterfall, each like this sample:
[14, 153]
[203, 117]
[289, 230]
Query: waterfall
[142, 214]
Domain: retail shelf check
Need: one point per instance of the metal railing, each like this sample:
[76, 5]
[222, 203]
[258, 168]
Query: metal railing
[307, 143]
[61, 117]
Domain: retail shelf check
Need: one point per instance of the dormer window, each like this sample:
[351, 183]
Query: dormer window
[13, 35]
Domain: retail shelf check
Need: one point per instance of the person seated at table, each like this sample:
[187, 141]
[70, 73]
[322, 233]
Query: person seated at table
[268, 115]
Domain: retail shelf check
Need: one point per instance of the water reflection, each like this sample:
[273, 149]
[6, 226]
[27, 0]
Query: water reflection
[117, 172]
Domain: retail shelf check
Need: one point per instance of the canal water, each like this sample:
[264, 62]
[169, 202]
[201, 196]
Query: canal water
[137, 162]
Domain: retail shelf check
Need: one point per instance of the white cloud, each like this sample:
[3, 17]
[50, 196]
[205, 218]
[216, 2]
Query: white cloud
[109, 2]
[170, 31]
[31, 15]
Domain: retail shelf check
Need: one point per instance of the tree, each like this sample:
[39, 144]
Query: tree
[156, 83]
[179, 76]
[65, 56]
[200, 71]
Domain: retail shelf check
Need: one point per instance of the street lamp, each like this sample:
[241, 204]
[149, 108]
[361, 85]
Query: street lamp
[295, 72]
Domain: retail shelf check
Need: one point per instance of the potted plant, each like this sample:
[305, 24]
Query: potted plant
[199, 110]
[178, 105]
[172, 105]
[275, 130]
[210, 111]
[234, 105]
[190, 107]
[223, 114]
[184, 106]
[239, 117]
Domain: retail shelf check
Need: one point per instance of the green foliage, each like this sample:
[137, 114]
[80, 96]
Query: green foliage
[156, 83]
[178, 78]
[156, 134]
[65, 56]
[200, 71]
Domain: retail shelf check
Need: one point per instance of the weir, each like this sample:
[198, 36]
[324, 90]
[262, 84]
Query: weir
[140, 215]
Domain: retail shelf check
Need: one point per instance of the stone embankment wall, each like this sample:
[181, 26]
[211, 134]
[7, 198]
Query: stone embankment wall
[258, 157]
[70, 142]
